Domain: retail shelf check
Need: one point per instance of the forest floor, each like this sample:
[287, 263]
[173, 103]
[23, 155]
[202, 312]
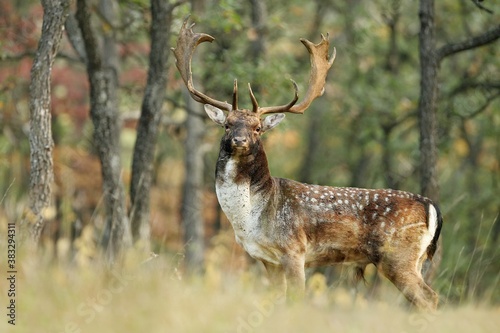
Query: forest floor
[154, 297]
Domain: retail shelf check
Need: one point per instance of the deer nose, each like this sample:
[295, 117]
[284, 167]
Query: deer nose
[239, 141]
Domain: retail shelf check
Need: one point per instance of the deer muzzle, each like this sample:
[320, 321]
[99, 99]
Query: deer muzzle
[239, 142]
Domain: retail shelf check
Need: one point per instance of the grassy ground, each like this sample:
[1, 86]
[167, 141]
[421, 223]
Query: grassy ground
[153, 297]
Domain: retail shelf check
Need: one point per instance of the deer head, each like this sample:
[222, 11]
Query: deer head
[243, 126]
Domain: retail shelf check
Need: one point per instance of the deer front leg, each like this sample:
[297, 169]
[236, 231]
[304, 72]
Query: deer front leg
[276, 276]
[293, 265]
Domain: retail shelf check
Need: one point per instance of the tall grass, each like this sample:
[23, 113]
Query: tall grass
[153, 296]
[471, 271]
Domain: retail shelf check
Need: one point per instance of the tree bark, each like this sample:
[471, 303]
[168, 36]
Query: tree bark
[147, 128]
[192, 205]
[40, 137]
[259, 19]
[104, 113]
[427, 102]
[314, 137]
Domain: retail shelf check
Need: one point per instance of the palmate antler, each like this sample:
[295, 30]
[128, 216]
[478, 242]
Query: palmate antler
[186, 44]
[320, 64]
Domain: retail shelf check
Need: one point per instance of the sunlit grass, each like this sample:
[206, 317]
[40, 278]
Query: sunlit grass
[154, 297]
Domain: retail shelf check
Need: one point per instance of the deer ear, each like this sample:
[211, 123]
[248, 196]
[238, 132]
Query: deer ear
[272, 121]
[215, 114]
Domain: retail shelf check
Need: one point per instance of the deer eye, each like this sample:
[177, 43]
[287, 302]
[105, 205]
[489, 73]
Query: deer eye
[257, 129]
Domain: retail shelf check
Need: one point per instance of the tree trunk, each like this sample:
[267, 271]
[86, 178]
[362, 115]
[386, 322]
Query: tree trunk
[392, 19]
[427, 118]
[427, 102]
[314, 137]
[104, 113]
[313, 144]
[40, 137]
[147, 128]
[192, 205]
[259, 18]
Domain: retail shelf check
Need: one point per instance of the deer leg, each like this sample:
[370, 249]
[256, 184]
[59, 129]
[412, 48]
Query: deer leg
[411, 284]
[431, 296]
[293, 266]
[276, 276]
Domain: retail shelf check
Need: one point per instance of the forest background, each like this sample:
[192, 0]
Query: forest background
[157, 151]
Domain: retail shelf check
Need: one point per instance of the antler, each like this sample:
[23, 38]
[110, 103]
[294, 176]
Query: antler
[320, 64]
[186, 44]
[274, 109]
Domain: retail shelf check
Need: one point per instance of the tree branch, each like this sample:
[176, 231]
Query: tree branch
[75, 38]
[480, 6]
[465, 86]
[471, 43]
[480, 109]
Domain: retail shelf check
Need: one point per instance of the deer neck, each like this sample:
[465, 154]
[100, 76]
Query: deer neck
[249, 169]
[243, 185]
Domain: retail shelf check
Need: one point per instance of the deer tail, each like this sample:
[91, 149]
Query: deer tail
[434, 221]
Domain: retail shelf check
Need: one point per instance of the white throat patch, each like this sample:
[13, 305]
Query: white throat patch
[242, 209]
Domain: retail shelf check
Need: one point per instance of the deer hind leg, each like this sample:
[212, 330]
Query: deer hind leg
[276, 276]
[408, 279]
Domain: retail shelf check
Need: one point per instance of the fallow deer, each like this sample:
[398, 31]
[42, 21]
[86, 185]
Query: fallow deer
[290, 225]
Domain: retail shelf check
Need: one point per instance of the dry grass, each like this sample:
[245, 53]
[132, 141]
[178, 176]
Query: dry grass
[152, 298]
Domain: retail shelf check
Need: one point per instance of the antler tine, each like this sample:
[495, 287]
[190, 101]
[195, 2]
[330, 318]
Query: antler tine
[186, 44]
[275, 109]
[320, 64]
[235, 95]
[254, 100]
